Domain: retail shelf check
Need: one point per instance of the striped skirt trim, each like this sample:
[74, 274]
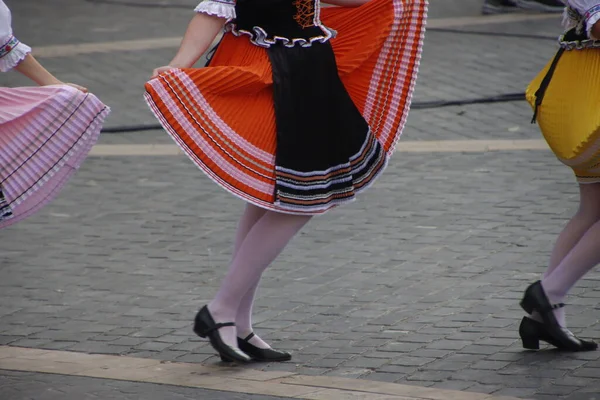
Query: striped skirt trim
[45, 134]
[301, 191]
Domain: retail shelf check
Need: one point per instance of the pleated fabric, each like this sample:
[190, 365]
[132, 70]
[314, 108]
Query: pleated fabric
[45, 134]
[224, 118]
[569, 116]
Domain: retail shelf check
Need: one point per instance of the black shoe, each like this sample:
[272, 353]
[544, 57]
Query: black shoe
[205, 326]
[532, 331]
[258, 354]
[550, 331]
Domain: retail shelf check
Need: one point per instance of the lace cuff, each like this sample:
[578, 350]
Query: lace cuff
[591, 17]
[12, 53]
[218, 8]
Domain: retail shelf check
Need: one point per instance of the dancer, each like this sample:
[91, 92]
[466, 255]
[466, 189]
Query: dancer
[565, 97]
[45, 132]
[290, 120]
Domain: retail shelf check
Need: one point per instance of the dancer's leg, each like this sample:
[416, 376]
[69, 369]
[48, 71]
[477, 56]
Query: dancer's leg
[250, 217]
[243, 320]
[583, 256]
[588, 213]
[263, 243]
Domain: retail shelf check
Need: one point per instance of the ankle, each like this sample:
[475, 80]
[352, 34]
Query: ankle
[255, 341]
[554, 297]
[220, 312]
[243, 330]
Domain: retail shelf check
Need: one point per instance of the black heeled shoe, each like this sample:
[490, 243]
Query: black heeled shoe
[532, 331]
[205, 326]
[258, 354]
[550, 331]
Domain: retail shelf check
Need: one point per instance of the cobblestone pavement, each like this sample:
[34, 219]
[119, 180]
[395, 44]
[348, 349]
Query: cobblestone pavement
[417, 282]
[26, 385]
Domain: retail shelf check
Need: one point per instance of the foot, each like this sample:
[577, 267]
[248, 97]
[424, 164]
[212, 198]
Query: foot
[549, 330]
[253, 339]
[262, 354]
[532, 332]
[558, 309]
[206, 326]
[228, 333]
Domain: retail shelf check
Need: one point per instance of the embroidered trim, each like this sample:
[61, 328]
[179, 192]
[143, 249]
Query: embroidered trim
[592, 11]
[578, 44]
[316, 190]
[591, 18]
[8, 46]
[5, 211]
[305, 16]
[260, 37]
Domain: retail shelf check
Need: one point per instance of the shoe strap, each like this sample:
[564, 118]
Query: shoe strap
[218, 326]
[250, 336]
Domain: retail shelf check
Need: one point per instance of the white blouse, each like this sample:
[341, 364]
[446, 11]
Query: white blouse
[219, 8]
[580, 12]
[12, 51]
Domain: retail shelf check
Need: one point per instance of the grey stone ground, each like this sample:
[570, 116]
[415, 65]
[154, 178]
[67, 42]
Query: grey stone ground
[24, 385]
[417, 282]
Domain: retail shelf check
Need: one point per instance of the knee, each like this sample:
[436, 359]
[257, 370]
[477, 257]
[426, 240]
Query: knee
[589, 207]
[588, 213]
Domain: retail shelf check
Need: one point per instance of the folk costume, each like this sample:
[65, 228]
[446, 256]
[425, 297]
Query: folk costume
[300, 107]
[566, 94]
[45, 134]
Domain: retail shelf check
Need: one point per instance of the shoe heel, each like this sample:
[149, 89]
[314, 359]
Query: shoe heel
[529, 334]
[527, 305]
[530, 343]
[199, 333]
[225, 359]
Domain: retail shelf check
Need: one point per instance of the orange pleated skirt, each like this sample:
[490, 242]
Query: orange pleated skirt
[223, 115]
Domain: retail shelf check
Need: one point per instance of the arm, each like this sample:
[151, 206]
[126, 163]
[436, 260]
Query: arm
[201, 32]
[346, 3]
[17, 55]
[34, 71]
[595, 31]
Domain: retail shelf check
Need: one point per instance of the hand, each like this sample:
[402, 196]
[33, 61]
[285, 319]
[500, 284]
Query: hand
[73, 85]
[161, 70]
[81, 88]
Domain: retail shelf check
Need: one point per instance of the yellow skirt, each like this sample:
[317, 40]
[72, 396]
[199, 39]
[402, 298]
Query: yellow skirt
[569, 116]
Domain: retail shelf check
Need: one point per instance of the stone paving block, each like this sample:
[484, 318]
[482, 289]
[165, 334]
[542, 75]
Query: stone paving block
[429, 376]
[583, 395]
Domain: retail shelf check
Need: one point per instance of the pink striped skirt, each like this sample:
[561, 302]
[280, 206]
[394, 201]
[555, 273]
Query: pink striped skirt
[45, 134]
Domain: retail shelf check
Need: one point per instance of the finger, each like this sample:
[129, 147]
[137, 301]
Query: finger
[78, 87]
